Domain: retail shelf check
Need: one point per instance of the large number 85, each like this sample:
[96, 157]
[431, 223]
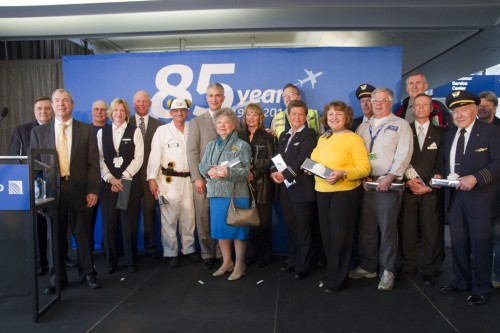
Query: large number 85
[165, 89]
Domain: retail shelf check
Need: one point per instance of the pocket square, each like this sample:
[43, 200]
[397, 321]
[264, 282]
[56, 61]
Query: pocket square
[432, 146]
[479, 150]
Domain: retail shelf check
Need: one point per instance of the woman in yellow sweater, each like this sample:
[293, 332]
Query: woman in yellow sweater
[339, 195]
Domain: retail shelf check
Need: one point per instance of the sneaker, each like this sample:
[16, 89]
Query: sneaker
[359, 273]
[496, 284]
[386, 281]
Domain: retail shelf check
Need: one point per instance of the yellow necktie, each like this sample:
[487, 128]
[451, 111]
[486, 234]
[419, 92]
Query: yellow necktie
[62, 150]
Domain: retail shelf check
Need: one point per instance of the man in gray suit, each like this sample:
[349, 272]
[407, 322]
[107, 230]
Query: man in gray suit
[201, 132]
[148, 126]
[78, 177]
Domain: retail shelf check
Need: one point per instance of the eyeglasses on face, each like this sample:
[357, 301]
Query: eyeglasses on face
[381, 100]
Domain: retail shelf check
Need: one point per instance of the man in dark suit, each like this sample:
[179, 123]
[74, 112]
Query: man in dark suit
[364, 95]
[78, 184]
[19, 145]
[148, 126]
[421, 204]
[472, 156]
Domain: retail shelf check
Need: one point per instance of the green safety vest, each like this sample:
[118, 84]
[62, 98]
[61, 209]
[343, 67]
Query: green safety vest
[280, 119]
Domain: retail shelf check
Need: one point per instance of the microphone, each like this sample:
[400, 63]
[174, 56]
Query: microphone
[4, 113]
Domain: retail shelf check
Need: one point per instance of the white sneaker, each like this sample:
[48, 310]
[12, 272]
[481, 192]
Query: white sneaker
[496, 284]
[359, 273]
[386, 281]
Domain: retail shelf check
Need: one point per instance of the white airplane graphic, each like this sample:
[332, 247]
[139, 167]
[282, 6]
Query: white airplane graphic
[310, 77]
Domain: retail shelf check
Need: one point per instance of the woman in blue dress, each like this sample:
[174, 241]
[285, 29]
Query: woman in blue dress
[225, 180]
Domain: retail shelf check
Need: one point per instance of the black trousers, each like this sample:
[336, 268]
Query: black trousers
[79, 222]
[128, 220]
[298, 217]
[338, 213]
[260, 243]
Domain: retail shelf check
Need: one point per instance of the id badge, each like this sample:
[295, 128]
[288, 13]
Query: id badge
[372, 156]
[118, 161]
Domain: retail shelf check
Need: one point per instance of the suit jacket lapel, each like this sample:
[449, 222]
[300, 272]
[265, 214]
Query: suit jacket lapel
[76, 132]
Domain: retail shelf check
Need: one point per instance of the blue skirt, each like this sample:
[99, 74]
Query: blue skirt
[218, 211]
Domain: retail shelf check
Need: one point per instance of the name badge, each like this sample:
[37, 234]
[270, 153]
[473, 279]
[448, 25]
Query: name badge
[173, 145]
[118, 161]
[392, 128]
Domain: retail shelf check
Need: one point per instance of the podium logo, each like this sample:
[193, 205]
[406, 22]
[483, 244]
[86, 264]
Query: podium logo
[16, 187]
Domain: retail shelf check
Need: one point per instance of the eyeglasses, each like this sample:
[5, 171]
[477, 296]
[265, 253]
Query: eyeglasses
[381, 100]
[289, 94]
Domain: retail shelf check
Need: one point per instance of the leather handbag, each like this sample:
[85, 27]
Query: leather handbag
[243, 217]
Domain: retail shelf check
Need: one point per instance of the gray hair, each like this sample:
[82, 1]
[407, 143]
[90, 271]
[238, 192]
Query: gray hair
[229, 113]
[216, 85]
[384, 90]
[62, 91]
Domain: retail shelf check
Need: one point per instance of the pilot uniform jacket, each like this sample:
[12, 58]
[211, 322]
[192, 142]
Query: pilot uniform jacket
[482, 160]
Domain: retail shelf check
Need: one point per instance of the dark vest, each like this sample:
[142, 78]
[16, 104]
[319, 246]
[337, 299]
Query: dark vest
[126, 151]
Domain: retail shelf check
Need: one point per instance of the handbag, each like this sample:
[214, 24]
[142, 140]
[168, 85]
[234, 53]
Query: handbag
[243, 217]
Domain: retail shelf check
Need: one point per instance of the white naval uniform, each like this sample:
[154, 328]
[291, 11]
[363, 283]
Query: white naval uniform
[169, 145]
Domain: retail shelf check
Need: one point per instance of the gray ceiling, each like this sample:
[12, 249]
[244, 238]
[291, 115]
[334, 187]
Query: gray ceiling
[445, 39]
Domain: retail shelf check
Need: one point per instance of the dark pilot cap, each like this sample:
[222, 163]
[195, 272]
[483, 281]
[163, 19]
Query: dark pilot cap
[364, 90]
[461, 97]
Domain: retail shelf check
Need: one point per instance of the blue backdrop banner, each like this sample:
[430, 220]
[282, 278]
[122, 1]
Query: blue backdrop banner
[248, 75]
[14, 187]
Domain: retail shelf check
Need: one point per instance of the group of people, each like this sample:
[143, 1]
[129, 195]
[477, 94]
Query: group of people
[365, 215]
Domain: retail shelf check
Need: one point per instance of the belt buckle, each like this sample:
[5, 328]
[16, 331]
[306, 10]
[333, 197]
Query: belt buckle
[65, 178]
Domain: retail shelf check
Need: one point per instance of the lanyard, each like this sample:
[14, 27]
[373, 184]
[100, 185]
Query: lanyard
[372, 138]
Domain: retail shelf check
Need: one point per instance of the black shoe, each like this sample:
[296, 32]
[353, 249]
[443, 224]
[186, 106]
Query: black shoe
[43, 270]
[70, 263]
[429, 280]
[249, 261]
[194, 257]
[172, 262]
[320, 263]
[132, 269]
[209, 263]
[151, 254]
[300, 276]
[111, 269]
[331, 290]
[260, 263]
[477, 300]
[449, 288]
[51, 289]
[287, 269]
[92, 281]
